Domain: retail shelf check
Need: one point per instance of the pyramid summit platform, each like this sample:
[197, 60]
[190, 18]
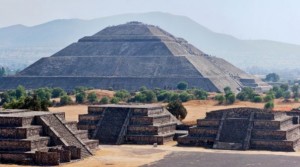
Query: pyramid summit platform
[130, 56]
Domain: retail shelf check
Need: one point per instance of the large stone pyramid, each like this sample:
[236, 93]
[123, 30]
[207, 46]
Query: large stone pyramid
[129, 56]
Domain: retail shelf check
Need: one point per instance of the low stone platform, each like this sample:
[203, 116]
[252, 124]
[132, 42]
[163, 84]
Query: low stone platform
[41, 138]
[136, 124]
[245, 128]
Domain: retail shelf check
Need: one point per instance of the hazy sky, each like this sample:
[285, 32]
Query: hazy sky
[246, 19]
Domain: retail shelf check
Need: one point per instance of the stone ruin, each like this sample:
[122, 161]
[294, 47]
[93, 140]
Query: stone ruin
[41, 138]
[130, 56]
[245, 128]
[130, 124]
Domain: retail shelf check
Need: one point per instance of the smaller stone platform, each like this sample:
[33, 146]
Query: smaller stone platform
[41, 138]
[136, 124]
[245, 128]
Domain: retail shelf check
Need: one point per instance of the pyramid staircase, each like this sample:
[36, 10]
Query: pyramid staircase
[136, 124]
[243, 129]
[42, 138]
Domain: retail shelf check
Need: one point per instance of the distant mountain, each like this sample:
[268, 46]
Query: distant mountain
[45, 39]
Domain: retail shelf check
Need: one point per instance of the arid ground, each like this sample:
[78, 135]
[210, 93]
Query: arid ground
[147, 155]
[196, 108]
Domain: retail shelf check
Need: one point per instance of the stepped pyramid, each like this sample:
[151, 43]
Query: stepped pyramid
[134, 124]
[245, 128]
[41, 138]
[129, 56]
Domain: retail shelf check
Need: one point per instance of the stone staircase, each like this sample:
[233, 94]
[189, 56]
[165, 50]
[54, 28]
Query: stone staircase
[243, 129]
[109, 128]
[68, 136]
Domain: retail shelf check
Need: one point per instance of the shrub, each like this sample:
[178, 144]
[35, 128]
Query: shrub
[80, 97]
[65, 100]
[20, 92]
[184, 97]
[200, 94]
[92, 97]
[182, 85]
[177, 109]
[57, 92]
[268, 98]
[246, 93]
[241, 96]
[269, 105]
[146, 96]
[230, 98]
[43, 93]
[296, 99]
[227, 90]
[272, 77]
[286, 95]
[104, 100]
[115, 100]
[220, 98]
[257, 99]
[122, 95]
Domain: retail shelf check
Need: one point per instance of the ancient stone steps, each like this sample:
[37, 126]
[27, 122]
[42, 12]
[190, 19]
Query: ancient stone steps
[149, 139]
[188, 140]
[67, 135]
[151, 129]
[150, 120]
[110, 126]
[208, 123]
[24, 144]
[203, 132]
[20, 132]
[245, 128]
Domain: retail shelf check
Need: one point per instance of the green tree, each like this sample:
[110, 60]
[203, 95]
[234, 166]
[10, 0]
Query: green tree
[295, 90]
[257, 99]
[65, 100]
[20, 92]
[115, 100]
[227, 90]
[146, 96]
[92, 97]
[104, 100]
[80, 97]
[182, 85]
[246, 93]
[43, 93]
[122, 95]
[57, 92]
[272, 77]
[184, 96]
[269, 105]
[230, 98]
[286, 95]
[200, 94]
[268, 98]
[220, 98]
[229, 95]
[177, 109]
[284, 87]
[32, 103]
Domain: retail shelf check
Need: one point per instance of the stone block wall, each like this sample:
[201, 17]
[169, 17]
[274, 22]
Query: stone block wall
[262, 129]
[146, 123]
